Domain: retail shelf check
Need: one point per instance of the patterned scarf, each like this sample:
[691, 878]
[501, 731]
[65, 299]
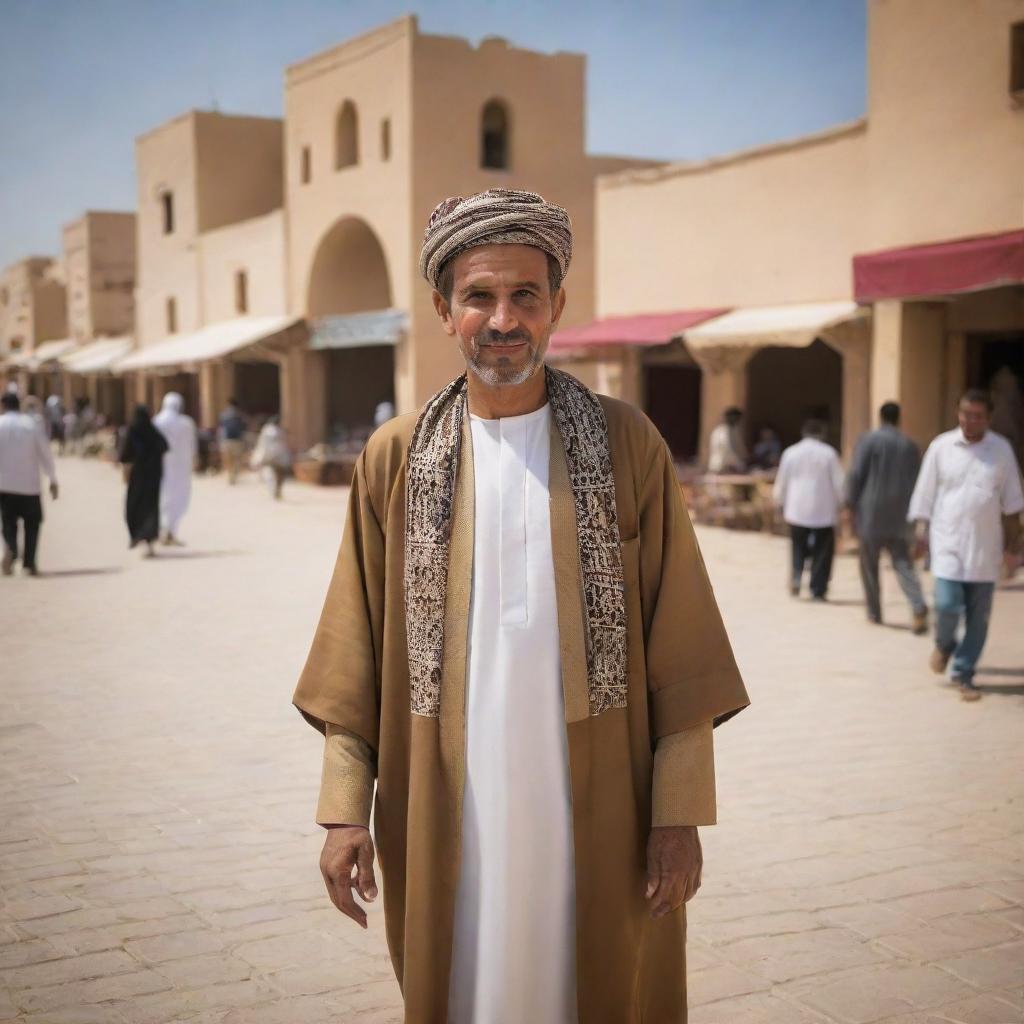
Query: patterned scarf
[430, 496]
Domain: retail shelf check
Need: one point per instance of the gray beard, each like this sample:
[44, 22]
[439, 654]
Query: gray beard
[502, 376]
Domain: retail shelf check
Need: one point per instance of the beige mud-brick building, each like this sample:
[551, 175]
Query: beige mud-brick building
[210, 248]
[377, 131]
[923, 198]
[33, 320]
[99, 263]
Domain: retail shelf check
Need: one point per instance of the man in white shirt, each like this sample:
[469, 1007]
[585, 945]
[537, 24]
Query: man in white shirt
[24, 453]
[809, 487]
[727, 452]
[967, 506]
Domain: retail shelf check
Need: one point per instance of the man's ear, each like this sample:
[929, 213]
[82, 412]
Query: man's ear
[444, 311]
[557, 307]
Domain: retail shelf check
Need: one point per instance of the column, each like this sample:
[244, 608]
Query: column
[907, 364]
[723, 384]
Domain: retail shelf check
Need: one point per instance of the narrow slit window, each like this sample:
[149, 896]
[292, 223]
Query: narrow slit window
[1017, 58]
[167, 207]
[306, 166]
[172, 316]
[494, 141]
[241, 291]
[385, 139]
[346, 136]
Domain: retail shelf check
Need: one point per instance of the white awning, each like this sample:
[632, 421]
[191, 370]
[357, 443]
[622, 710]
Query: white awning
[47, 352]
[209, 342]
[96, 357]
[359, 330]
[757, 326]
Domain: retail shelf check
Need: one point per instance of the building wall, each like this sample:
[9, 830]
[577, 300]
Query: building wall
[33, 304]
[771, 226]
[255, 247]
[946, 139]
[238, 168]
[99, 259]
[165, 160]
[222, 169]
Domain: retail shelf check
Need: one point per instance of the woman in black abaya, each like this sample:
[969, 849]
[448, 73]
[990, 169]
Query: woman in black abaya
[142, 455]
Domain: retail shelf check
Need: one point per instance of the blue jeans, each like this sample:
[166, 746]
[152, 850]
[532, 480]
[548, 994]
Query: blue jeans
[974, 601]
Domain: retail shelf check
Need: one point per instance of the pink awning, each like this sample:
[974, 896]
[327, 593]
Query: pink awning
[942, 268]
[641, 329]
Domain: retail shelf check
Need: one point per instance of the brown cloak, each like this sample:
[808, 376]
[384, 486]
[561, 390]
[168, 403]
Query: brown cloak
[681, 672]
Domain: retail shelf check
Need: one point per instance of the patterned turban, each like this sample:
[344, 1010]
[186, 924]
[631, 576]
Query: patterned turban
[497, 216]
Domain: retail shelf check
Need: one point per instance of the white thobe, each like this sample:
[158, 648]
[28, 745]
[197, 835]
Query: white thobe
[176, 485]
[513, 955]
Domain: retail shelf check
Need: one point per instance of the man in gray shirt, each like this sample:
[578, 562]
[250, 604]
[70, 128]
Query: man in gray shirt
[879, 487]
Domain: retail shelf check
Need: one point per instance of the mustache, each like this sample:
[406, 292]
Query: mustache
[497, 339]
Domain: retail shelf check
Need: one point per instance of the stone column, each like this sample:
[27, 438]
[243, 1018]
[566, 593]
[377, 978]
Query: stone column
[723, 383]
[303, 397]
[907, 364]
[852, 340]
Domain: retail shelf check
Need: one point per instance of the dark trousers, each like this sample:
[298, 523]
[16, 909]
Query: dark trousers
[29, 509]
[871, 549]
[818, 544]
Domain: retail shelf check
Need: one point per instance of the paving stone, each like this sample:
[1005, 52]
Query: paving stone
[722, 982]
[987, 969]
[97, 990]
[758, 1008]
[784, 957]
[75, 968]
[176, 946]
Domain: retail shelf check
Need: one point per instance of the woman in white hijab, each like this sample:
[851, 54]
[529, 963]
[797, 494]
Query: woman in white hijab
[179, 431]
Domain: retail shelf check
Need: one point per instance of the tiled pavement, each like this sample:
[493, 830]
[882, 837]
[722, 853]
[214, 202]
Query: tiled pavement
[158, 861]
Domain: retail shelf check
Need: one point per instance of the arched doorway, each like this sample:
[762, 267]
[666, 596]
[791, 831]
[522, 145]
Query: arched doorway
[787, 386]
[350, 275]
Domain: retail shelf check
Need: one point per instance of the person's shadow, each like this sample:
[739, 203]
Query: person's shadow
[1008, 689]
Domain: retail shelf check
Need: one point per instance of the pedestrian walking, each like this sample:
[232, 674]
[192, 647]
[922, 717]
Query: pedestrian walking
[142, 456]
[539, 776]
[179, 431]
[24, 456]
[231, 438]
[878, 491]
[55, 421]
[272, 455]
[967, 505]
[809, 488]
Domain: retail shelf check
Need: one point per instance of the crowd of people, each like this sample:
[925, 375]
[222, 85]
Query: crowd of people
[958, 509]
[158, 456]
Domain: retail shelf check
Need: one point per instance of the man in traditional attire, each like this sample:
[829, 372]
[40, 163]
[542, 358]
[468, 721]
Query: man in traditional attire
[521, 647]
[179, 431]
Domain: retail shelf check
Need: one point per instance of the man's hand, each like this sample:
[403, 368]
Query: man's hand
[348, 849]
[674, 863]
[54, 490]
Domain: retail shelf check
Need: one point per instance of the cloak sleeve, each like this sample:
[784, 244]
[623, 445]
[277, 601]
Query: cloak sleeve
[691, 672]
[683, 785]
[340, 683]
[346, 789]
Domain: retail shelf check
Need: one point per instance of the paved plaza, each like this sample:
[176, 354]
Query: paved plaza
[159, 858]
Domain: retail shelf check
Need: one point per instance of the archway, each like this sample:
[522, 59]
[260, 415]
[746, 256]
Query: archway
[350, 275]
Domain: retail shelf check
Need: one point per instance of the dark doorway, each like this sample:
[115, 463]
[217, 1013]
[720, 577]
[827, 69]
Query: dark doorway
[258, 388]
[672, 400]
[996, 362]
[788, 386]
[358, 380]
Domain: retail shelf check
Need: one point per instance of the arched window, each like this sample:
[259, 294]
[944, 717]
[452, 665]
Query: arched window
[494, 136]
[346, 136]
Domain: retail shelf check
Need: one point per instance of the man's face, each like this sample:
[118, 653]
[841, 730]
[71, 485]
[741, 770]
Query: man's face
[501, 311]
[973, 417]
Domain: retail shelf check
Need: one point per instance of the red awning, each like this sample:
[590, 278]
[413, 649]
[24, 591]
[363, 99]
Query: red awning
[642, 329]
[942, 268]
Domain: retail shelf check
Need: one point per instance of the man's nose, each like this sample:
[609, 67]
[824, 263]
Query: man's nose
[503, 320]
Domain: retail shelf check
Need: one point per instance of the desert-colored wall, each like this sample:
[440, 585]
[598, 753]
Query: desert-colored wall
[946, 139]
[33, 304]
[165, 160]
[239, 173]
[99, 259]
[255, 247]
[771, 226]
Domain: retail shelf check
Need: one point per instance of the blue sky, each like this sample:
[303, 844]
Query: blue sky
[79, 79]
